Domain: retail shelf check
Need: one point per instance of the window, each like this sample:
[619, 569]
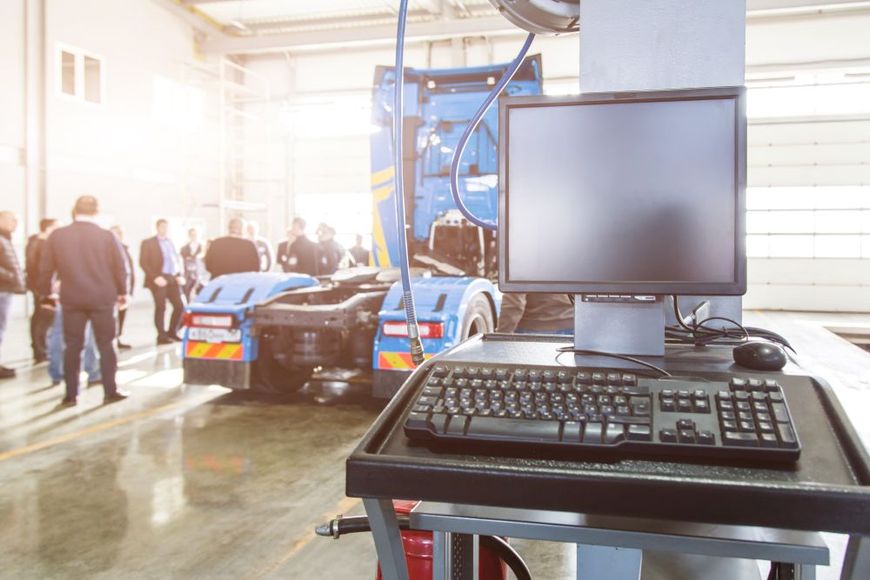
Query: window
[80, 75]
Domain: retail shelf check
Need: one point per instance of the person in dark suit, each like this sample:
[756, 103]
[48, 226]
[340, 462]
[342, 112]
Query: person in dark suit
[161, 264]
[283, 255]
[232, 253]
[89, 264]
[330, 252]
[42, 318]
[304, 255]
[11, 279]
[131, 283]
[359, 253]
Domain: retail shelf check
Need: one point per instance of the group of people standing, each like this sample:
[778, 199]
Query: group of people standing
[82, 276]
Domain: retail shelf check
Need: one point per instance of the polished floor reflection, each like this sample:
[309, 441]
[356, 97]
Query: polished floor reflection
[198, 482]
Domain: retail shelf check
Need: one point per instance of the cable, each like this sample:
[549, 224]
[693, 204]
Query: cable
[472, 125]
[414, 342]
[356, 524]
[625, 357]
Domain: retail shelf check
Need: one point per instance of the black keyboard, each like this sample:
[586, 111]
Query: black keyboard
[603, 410]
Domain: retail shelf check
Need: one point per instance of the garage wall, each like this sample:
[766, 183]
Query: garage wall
[12, 111]
[150, 148]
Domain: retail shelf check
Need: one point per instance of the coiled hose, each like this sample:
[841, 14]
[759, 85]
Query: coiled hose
[472, 125]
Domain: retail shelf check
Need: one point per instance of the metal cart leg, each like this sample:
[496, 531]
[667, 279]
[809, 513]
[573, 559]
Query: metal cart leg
[806, 572]
[608, 563]
[388, 538]
[455, 556]
[856, 565]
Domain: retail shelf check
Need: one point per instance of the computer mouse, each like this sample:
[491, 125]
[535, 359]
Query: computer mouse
[760, 356]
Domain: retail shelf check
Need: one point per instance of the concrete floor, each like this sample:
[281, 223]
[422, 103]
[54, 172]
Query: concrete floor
[191, 482]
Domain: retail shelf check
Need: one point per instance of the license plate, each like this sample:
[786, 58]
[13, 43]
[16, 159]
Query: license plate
[214, 334]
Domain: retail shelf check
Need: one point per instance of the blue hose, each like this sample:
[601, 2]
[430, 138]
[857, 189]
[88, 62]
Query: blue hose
[472, 125]
[416, 345]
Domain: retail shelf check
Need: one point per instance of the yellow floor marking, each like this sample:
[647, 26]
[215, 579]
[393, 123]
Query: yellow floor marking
[67, 437]
[345, 505]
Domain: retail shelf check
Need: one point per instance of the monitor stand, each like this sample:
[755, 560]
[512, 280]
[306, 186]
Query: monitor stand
[619, 324]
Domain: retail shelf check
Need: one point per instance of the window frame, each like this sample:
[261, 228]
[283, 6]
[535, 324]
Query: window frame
[79, 56]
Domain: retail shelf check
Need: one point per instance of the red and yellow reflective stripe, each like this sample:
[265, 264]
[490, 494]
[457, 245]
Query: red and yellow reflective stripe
[214, 350]
[397, 360]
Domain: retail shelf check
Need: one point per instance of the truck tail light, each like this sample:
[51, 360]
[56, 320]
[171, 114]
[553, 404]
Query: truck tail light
[427, 329]
[192, 319]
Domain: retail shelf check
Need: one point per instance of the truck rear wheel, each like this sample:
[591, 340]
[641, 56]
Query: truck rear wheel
[478, 317]
[271, 372]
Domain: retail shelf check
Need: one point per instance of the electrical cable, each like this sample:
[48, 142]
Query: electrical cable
[415, 344]
[624, 357]
[472, 125]
[356, 524]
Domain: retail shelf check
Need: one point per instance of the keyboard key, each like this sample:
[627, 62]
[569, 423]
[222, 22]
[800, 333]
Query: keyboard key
[614, 433]
[439, 371]
[438, 422]
[686, 436]
[723, 396]
[702, 406]
[755, 385]
[426, 400]
[584, 378]
[639, 433]
[417, 420]
[684, 405]
[593, 432]
[668, 405]
[780, 413]
[531, 430]
[699, 394]
[432, 391]
[599, 378]
[421, 409]
[614, 379]
[768, 440]
[668, 436]
[740, 439]
[572, 432]
[729, 425]
[457, 425]
[706, 438]
[638, 390]
[685, 424]
[775, 397]
[726, 405]
[746, 426]
[629, 380]
[738, 384]
[727, 416]
[771, 385]
[786, 435]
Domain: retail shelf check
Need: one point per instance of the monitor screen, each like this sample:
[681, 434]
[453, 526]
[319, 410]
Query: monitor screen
[638, 194]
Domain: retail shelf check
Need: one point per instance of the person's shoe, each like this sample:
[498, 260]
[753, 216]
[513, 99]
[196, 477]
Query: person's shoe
[175, 338]
[55, 382]
[39, 359]
[115, 397]
[7, 373]
[94, 382]
[164, 340]
[123, 346]
[69, 402]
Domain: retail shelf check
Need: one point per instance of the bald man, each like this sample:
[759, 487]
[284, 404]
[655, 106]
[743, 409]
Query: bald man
[232, 254]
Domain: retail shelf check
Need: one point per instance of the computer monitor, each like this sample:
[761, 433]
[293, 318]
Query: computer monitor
[640, 193]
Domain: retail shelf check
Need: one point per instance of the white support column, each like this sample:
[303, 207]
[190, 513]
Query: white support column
[35, 200]
[628, 45]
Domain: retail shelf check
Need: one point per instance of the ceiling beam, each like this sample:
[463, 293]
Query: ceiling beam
[367, 36]
[207, 28]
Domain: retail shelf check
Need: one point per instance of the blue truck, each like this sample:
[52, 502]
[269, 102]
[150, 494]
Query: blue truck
[274, 331]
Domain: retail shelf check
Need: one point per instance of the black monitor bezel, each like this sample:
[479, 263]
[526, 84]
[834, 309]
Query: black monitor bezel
[736, 287]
